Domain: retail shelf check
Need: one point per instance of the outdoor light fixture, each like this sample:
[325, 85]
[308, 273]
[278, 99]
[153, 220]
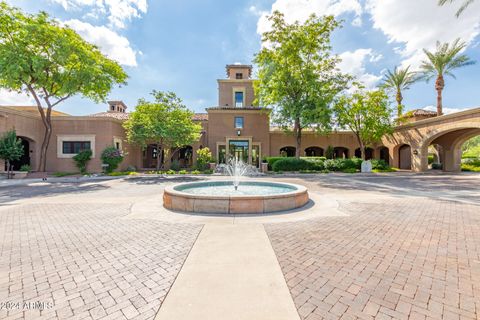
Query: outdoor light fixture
[415, 152]
[238, 132]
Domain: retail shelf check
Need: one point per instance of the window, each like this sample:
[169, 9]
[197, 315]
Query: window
[221, 153]
[239, 99]
[239, 76]
[74, 147]
[117, 145]
[238, 122]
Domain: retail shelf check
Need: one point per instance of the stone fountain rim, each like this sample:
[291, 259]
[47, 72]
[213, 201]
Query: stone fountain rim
[298, 189]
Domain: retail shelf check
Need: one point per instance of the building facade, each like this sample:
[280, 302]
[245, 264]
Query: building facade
[235, 127]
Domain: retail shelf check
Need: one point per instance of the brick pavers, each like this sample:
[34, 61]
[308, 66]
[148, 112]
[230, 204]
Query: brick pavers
[85, 261]
[407, 258]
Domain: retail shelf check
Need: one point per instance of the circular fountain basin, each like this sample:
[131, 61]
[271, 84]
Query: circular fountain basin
[221, 197]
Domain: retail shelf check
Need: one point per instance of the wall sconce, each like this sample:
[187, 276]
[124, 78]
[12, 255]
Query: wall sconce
[415, 152]
[238, 132]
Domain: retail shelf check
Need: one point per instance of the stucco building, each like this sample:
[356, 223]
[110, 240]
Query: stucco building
[236, 126]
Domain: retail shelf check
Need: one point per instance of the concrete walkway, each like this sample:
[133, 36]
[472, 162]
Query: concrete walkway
[231, 273]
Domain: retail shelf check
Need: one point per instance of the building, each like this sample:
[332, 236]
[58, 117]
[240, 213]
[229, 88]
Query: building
[235, 127]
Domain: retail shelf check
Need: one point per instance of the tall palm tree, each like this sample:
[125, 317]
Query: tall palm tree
[398, 80]
[442, 62]
[462, 8]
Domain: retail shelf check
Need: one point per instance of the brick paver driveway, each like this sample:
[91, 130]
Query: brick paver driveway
[405, 257]
[82, 260]
[407, 248]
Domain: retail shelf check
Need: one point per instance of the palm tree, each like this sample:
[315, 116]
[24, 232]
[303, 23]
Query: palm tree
[462, 8]
[399, 80]
[442, 62]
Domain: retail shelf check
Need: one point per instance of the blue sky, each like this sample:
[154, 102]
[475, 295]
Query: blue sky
[183, 46]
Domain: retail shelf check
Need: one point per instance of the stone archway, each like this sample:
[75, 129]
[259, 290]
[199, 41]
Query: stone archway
[314, 152]
[450, 139]
[340, 152]
[384, 154]
[368, 153]
[288, 151]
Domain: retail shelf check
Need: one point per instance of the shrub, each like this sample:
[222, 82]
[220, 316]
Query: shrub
[175, 165]
[331, 165]
[349, 170]
[292, 164]
[430, 158]
[204, 157]
[182, 172]
[329, 153]
[26, 168]
[272, 160]
[437, 166]
[208, 171]
[171, 172]
[379, 165]
[81, 160]
[195, 172]
[131, 168]
[111, 156]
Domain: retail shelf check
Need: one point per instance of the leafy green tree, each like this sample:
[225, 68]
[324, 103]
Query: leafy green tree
[298, 75]
[463, 6]
[165, 122]
[11, 148]
[443, 61]
[366, 114]
[52, 63]
[398, 80]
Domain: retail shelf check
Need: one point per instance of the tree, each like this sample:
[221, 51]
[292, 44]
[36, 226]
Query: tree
[442, 62]
[463, 7]
[298, 75]
[165, 122]
[399, 80]
[366, 114]
[52, 63]
[11, 148]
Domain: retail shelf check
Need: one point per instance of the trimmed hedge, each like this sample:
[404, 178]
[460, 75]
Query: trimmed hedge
[292, 164]
[306, 164]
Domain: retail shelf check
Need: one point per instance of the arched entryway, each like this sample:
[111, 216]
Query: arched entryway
[314, 152]
[288, 151]
[368, 153]
[184, 156]
[384, 154]
[25, 159]
[449, 143]
[150, 156]
[405, 157]
[340, 152]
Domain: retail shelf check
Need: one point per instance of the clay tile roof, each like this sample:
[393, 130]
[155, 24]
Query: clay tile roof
[200, 117]
[115, 115]
[420, 112]
[124, 116]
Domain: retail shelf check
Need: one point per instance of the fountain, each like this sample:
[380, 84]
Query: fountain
[236, 196]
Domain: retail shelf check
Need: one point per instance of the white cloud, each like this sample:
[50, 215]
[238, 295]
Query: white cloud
[300, 10]
[117, 11]
[446, 110]
[419, 24]
[353, 62]
[11, 98]
[110, 43]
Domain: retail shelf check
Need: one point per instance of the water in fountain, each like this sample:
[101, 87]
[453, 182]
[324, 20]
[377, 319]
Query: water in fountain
[237, 169]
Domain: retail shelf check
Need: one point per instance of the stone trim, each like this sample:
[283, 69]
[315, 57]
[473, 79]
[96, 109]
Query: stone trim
[74, 137]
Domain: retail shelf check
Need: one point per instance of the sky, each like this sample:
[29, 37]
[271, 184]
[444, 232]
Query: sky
[183, 46]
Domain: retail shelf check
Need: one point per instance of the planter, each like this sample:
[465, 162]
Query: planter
[19, 174]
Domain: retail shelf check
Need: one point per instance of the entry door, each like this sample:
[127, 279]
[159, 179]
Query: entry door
[238, 149]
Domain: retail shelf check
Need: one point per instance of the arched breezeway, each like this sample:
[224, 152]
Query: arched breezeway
[340, 152]
[287, 151]
[368, 153]
[314, 152]
[450, 141]
[27, 158]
